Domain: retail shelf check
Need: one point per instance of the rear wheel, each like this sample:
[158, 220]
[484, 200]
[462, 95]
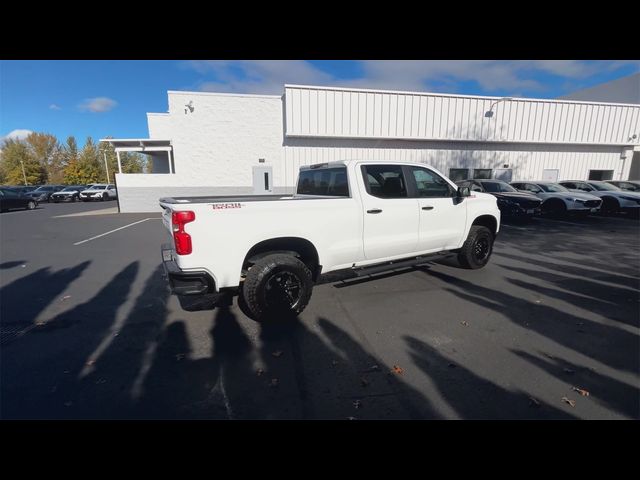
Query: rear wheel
[277, 287]
[477, 248]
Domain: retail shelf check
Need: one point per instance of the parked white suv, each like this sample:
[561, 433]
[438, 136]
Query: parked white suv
[558, 200]
[357, 217]
[99, 191]
[613, 198]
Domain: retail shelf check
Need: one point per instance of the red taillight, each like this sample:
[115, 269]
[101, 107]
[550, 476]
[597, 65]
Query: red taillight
[181, 238]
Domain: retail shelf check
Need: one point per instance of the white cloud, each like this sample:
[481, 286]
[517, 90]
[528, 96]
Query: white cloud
[18, 134]
[53, 106]
[97, 104]
[493, 76]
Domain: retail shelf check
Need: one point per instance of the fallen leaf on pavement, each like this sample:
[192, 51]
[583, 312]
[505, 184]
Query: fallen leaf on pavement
[277, 353]
[41, 324]
[570, 402]
[568, 370]
[357, 404]
[364, 382]
[90, 362]
[397, 369]
[582, 392]
[538, 301]
[259, 372]
[533, 402]
[66, 297]
[274, 383]
[465, 323]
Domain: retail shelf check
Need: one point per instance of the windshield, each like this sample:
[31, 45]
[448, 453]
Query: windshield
[43, 189]
[97, 187]
[552, 187]
[604, 186]
[498, 187]
[69, 189]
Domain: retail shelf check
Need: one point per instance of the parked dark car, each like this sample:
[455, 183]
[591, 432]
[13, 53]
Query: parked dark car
[22, 188]
[10, 199]
[70, 193]
[512, 204]
[43, 193]
[630, 185]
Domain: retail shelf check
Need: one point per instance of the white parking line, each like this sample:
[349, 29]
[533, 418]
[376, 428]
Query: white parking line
[112, 231]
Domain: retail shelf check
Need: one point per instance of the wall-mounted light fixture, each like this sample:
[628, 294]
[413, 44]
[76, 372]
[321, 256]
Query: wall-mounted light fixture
[633, 137]
[489, 113]
[189, 108]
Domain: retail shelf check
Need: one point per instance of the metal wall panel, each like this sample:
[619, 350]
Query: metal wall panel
[327, 112]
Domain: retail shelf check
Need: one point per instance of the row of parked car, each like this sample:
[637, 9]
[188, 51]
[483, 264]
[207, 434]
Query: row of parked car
[524, 199]
[28, 197]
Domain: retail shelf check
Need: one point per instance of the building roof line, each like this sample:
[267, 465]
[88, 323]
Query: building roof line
[434, 94]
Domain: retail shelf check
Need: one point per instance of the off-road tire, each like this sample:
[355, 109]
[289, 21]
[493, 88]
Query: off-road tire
[477, 248]
[263, 277]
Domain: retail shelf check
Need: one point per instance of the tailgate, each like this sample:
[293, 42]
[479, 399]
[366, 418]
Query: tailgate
[166, 217]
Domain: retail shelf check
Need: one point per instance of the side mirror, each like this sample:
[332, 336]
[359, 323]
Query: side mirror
[464, 192]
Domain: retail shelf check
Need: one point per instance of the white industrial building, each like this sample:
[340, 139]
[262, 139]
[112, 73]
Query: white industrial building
[218, 143]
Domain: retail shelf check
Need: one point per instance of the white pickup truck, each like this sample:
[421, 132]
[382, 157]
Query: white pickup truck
[356, 216]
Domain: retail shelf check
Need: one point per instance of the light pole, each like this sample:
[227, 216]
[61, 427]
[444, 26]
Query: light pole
[106, 167]
[489, 113]
[23, 174]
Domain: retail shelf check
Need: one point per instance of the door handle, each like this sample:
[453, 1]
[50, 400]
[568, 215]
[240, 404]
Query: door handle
[428, 207]
[375, 210]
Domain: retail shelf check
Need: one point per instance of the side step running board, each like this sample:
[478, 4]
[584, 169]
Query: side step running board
[364, 271]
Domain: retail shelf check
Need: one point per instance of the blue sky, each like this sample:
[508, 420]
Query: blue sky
[100, 98]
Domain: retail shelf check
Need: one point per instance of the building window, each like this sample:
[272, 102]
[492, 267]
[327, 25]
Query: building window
[504, 174]
[482, 173]
[457, 174]
[600, 174]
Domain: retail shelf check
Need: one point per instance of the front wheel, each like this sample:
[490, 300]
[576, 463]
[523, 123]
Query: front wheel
[477, 248]
[277, 287]
[31, 205]
[610, 205]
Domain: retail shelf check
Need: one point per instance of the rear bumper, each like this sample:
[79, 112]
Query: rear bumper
[183, 282]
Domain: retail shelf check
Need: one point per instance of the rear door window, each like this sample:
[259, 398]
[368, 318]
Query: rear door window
[384, 181]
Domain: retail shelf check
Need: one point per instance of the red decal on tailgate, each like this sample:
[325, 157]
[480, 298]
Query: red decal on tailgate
[220, 206]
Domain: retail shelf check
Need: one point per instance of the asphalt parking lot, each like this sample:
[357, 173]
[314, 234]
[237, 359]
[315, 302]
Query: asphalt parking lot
[548, 330]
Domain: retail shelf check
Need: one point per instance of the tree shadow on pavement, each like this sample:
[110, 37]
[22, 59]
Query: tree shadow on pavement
[473, 397]
[41, 378]
[609, 392]
[25, 298]
[610, 345]
[11, 264]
